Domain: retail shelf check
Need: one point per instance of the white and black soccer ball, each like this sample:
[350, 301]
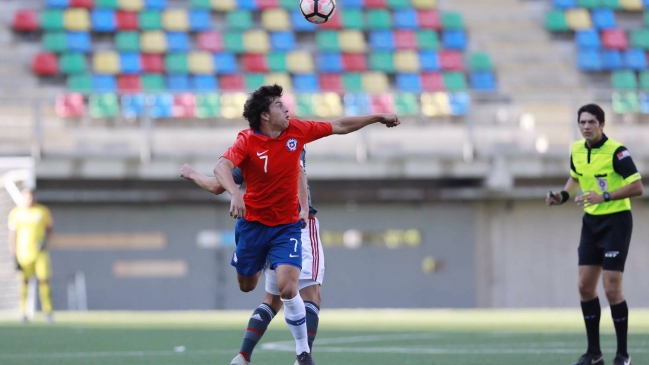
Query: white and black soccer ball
[318, 11]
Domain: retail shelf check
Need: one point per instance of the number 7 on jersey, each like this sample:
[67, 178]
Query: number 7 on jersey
[264, 157]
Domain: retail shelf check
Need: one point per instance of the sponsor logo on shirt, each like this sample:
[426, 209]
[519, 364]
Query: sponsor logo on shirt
[611, 254]
[291, 144]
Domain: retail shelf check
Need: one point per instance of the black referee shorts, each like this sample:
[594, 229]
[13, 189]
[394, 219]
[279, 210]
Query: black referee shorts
[605, 240]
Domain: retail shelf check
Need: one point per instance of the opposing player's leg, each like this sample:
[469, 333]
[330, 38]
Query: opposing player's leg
[257, 326]
[311, 276]
[43, 271]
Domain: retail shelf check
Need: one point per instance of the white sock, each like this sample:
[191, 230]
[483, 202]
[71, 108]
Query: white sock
[295, 315]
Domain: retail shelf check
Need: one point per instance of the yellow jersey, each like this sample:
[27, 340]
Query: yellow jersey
[30, 224]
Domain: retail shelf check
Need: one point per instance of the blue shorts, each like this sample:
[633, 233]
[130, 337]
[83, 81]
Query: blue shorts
[257, 243]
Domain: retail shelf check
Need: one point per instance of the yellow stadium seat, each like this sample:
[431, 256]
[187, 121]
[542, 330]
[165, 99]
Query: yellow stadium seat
[299, 62]
[632, 5]
[435, 104]
[131, 5]
[276, 19]
[375, 82]
[224, 5]
[232, 105]
[175, 20]
[153, 42]
[424, 4]
[281, 79]
[327, 105]
[106, 62]
[352, 41]
[76, 19]
[578, 19]
[256, 41]
[406, 61]
[201, 63]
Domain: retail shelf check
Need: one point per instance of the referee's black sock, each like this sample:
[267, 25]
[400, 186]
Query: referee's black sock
[620, 314]
[592, 312]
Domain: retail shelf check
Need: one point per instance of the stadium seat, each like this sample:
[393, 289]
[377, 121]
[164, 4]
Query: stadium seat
[327, 41]
[625, 102]
[406, 104]
[428, 40]
[61, 4]
[104, 83]
[177, 83]
[55, 42]
[354, 62]
[643, 99]
[299, 24]
[299, 62]
[624, 80]
[483, 81]
[435, 104]
[209, 41]
[232, 83]
[398, 4]
[357, 104]
[578, 19]
[432, 81]
[382, 40]
[254, 63]
[70, 106]
[175, 20]
[564, 4]
[233, 42]
[352, 19]
[611, 4]
[282, 41]
[223, 5]
[611, 60]
[353, 82]
[304, 105]
[382, 61]
[256, 41]
[451, 61]
[150, 20]
[330, 62]
[52, 20]
[640, 38]
[103, 105]
[155, 4]
[225, 63]
[130, 63]
[45, 64]
[555, 21]
[152, 63]
[72, 63]
[86, 4]
[635, 59]
[603, 19]
[201, 63]
[406, 39]
[644, 80]
[452, 20]
[199, 20]
[632, 5]
[153, 42]
[480, 61]
[106, 4]
[106, 62]
[646, 17]
[382, 103]
[202, 83]
[588, 4]
[78, 42]
[161, 106]
[267, 4]
[277, 62]
[429, 19]
[127, 20]
[334, 22]
[354, 4]
[133, 106]
[131, 5]
[208, 105]
[239, 19]
[327, 105]
[409, 82]
[178, 42]
[247, 4]
[331, 82]
[459, 103]
[429, 61]
[352, 41]
[129, 84]
[103, 20]
[454, 81]
[378, 19]
[127, 41]
[254, 80]
[280, 78]
[374, 4]
[405, 19]
[80, 83]
[375, 82]
[276, 20]
[589, 60]
[153, 82]
[406, 61]
[424, 4]
[588, 39]
[176, 63]
[25, 20]
[454, 39]
[184, 106]
[614, 39]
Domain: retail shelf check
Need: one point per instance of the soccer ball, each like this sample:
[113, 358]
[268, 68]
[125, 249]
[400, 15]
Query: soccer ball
[317, 11]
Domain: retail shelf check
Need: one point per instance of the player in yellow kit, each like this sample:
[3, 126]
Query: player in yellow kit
[30, 225]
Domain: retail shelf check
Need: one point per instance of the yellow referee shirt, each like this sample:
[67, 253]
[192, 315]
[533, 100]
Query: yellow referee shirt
[30, 224]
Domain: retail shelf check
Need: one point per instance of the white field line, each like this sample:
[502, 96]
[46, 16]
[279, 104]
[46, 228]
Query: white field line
[73, 355]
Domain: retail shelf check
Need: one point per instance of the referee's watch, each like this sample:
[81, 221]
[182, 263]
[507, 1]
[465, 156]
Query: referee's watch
[607, 196]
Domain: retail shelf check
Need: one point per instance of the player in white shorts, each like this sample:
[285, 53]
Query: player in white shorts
[311, 276]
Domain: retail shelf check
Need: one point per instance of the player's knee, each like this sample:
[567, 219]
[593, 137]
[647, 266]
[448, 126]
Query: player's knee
[613, 293]
[587, 291]
[246, 287]
[288, 292]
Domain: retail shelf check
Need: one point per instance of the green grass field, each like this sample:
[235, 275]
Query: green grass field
[358, 337]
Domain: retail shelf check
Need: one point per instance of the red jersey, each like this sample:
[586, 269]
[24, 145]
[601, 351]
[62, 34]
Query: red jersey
[271, 169]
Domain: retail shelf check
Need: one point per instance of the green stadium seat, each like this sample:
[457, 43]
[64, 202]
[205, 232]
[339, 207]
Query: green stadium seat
[277, 62]
[153, 83]
[378, 19]
[555, 21]
[52, 20]
[452, 20]
[398, 4]
[176, 63]
[454, 81]
[106, 4]
[406, 104]
[254, 81]
[239, 19]
[646, 19]
[150, 20]
[611, 4]
[72, 63]
[327, 41]
[624, 80]
[352, 19]
[625, 102]
[428, 40]
[480, 62]
[589, 4]
[233, 42]
[103, 105]
[200, 4]
[208, 105]
[80, 83]
[304, 105]
[382, 61]
[288, 4]
[644, 80]
[640, 38]
[55, 42]
[127, 41]
[353, 82]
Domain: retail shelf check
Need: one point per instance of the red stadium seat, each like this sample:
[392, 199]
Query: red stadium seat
[209, 41]
[334, 23]
[429, 19]
[45, 64]
[331, 82]
[129, 83]
[375, 4]
[127, 20]
[152, 63]
[354, 62]
[405, 39]
[25, 21]
[88, 4]
[451, 61]
[184, 106]
[382, 103]
[70, 106]
[267, 4]
[232, 82]
[614, 39]
[254, 63]
[432, 81]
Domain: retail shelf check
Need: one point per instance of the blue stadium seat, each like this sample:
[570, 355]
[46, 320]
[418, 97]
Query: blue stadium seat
[282, 41]
[352, 4]
[330, 62]
[603, 19]
[564, 4]
[162, 106]
[460, 103]
[611, 60]
[204, 83]
[409, 82]
[177, 83]
[483, 81]
[644, 101]
[103, 20]
[199, 20]
[635, 59]
[646, 4]
[130, 63]
[405, 19]
[78, 42]
[155, 4]
[589, 60]
[382, 40]
[588, 39]
[177, 42]
[306, 83]
[57, 4]
[247, 4]
[429, 61]
[299, 24]
[133, 106]
[104, 83]
[357, 104]
[454, 39]
[225, 63]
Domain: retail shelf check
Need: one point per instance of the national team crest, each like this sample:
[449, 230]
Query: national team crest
[602, 184]
[291, 144]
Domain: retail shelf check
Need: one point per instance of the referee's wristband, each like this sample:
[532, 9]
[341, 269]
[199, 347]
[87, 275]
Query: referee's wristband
[564, 196]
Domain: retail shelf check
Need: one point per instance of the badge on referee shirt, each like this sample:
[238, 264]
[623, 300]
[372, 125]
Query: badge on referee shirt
[602, 184]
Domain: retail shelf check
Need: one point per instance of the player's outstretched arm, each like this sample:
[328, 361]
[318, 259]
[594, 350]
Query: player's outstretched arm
[558, 198]
[347, 125]
[223, 173]
[208, 183]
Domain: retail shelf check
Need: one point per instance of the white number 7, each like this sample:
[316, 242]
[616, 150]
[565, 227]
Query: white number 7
[296, 241]
[265, 158]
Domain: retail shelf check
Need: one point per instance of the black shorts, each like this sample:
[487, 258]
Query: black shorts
[605, 240]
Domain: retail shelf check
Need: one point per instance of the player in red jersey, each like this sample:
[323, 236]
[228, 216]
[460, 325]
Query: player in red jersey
[270, 229]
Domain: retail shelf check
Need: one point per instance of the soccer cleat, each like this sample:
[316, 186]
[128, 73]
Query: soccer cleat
[49, 318]
[239, 360]
[622, 360]
[296, 363]
[590, 359]
[304, 359]
[24, 319]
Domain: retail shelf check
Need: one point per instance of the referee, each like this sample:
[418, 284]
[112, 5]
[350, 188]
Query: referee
[604, 171]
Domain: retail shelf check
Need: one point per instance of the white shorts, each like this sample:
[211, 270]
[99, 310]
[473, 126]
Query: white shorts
[313, 267]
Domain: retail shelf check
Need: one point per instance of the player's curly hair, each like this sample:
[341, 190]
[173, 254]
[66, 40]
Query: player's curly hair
[259, 102]
[593, 109]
